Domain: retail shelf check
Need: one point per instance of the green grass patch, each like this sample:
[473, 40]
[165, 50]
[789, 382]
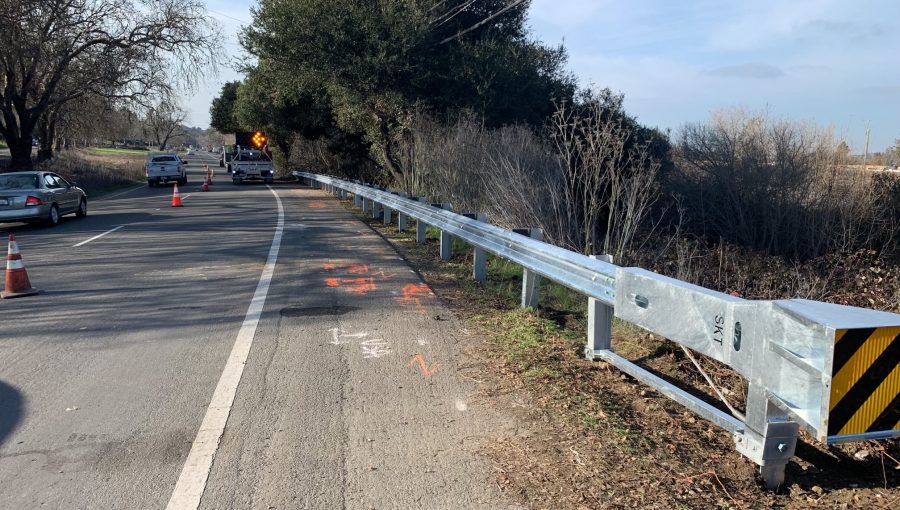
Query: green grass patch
[3, 145]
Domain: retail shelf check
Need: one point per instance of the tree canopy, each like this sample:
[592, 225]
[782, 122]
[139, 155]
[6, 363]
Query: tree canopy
[56, 51]
[363, 68]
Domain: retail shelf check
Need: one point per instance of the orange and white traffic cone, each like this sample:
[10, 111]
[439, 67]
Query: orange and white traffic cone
[209, 175]
[17, 284]
[204, 187]
[176, 197]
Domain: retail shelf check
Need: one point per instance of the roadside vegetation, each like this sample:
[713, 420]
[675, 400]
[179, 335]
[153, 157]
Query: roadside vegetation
[98, 172]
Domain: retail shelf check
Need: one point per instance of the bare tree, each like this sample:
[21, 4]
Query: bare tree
[609, 183]
[56, 51]
[163, 122]
[778, 186]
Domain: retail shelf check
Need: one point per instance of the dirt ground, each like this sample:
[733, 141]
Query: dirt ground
[591, 437]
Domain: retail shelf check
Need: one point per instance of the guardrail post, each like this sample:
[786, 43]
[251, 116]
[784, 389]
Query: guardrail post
[479, 257]
[376, 210]
[599, 333]
[365, 204]
[531, 281]
[421, 226]
[446, 240]
[357, 200]
[387, 215]
[401, 217]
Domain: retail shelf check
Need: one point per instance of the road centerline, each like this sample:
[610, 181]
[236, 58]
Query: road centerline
[98, 236]
[192, 481]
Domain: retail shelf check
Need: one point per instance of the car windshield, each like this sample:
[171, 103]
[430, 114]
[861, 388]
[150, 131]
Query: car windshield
[251, 156]
[163, 159]
[27, 181]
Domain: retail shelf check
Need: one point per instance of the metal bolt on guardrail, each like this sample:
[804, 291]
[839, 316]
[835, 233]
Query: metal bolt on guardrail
[829, 369]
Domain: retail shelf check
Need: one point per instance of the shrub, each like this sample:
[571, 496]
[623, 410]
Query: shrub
[778, 186]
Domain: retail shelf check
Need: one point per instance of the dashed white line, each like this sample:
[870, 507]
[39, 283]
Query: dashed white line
[110, 231]
[192, 481]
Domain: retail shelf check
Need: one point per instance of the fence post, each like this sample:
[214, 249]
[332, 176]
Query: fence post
[531, 281]
[421, 226]
[599, 333]
[446, 240]
[479, 256]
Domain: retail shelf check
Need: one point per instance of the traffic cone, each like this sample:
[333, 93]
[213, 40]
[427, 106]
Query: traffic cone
[204, 187]
[209, 176]
[17, 284]
[176, 197]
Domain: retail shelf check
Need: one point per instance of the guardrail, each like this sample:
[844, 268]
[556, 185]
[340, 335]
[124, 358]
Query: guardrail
[833, 370]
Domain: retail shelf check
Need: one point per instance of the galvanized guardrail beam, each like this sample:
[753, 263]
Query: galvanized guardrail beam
[833, 370]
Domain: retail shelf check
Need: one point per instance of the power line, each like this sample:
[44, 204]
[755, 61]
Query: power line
[228, 16]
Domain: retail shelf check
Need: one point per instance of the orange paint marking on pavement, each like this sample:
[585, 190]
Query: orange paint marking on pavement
[420, 360]
[413, 293]
[328, 266]
[361, 286]
[358, 269]
[317, 205]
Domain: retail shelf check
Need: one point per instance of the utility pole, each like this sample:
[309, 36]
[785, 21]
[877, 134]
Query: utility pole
[866, 152]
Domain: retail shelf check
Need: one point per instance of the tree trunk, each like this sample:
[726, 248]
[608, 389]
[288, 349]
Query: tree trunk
[45, 138]
[20, 154]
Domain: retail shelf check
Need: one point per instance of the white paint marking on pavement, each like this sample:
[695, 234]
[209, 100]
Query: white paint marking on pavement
[192, 481]
[110, 231]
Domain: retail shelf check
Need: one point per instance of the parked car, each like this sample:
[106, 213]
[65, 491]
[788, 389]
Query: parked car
[164, 168]
[39, 196]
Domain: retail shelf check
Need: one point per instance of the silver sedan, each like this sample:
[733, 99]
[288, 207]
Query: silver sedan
[39, 196]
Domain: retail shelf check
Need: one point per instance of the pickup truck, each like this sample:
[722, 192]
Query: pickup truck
[249, 164]
[163, 168]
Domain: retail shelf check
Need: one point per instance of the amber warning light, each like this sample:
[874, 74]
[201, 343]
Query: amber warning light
[259, 139]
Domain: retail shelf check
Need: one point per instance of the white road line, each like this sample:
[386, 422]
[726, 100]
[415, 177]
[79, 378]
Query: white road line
[129, 190]
[110, 231]
[192, 481]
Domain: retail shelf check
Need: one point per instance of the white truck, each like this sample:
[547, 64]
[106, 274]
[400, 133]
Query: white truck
[251, 159]
[164, 168]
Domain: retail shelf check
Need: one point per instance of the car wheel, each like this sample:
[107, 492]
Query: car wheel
[53, 217]
[82, 209]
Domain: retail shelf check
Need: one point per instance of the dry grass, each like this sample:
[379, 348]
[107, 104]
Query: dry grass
[98, 173]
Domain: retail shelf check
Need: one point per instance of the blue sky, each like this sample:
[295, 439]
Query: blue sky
[836, 63]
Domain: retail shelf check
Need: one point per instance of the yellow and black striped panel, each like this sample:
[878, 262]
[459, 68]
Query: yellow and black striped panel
[865, 384]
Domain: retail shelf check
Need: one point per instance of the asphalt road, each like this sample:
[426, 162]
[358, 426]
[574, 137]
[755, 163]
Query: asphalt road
[348, 393]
